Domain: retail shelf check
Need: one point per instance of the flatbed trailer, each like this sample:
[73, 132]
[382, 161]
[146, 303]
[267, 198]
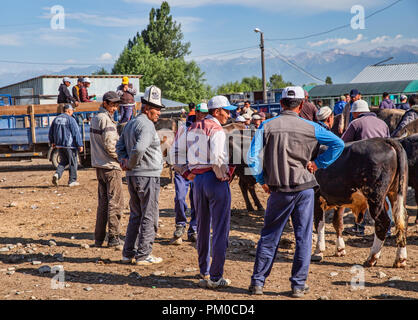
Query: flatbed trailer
[24, 131]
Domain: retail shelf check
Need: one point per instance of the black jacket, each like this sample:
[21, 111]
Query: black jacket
[64, 95]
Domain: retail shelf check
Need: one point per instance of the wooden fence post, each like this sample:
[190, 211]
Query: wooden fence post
[32, 122]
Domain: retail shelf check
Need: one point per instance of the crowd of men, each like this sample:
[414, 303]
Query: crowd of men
[286, 173]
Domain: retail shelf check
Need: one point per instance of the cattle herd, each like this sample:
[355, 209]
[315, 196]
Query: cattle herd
[366, 173]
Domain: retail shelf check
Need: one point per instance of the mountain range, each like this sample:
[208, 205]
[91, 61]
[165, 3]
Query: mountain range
[341, 65]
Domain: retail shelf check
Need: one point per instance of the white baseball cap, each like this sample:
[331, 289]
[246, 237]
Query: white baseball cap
[66, 79]
[152, 97]
[293, 93]
[202, 107]
[360, 106]
[220, 102]
[256, 117]
[246, 116]
[87, 79]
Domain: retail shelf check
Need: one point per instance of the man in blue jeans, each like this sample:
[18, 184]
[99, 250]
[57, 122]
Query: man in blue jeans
[65, 135]
[280, 159]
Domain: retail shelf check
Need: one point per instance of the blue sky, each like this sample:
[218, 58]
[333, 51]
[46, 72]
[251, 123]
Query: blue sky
[96, 31]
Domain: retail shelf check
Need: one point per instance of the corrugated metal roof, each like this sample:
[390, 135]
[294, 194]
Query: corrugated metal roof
[388, 72]
[372, 88]
[73, 77]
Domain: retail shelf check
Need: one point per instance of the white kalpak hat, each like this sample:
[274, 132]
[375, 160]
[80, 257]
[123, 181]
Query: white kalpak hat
[323, 113]
[152, 97]
[360, 106]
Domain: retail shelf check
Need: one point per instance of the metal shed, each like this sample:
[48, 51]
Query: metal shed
[44, 89]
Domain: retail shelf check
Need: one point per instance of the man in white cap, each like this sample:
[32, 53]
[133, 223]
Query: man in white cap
[325, 117]
[201, 155]
[365, 125]
[84, 94]
[139, 153]
[240, 119]
[64, 95]
[256, 120]
[280, 160]
[247, 118]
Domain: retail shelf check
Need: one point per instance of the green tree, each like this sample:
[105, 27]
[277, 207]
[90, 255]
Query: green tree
[163, 35]
[101, 71]
[277, 82]
[247, 84]
[328, 80]
[179, 80]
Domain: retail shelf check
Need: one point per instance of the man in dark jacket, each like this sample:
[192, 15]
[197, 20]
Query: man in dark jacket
[386, 103]
[127, 93]
[404, 103]
[280, 160]
[64, 134]
[64, 95]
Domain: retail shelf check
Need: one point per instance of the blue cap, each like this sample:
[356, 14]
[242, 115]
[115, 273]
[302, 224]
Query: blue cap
[354, 92]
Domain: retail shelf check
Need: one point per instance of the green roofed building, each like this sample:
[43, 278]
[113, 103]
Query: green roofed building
[370, 91]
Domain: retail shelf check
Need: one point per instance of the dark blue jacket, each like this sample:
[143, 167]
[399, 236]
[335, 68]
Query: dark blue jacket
[65, 132]
[403, 106]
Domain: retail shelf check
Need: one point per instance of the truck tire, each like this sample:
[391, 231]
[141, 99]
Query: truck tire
[55, 158]
[86, 163]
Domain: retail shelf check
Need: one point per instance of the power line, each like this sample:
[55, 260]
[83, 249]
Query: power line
[333, 29]
[294, 65]
[224, 52]
[51, 63]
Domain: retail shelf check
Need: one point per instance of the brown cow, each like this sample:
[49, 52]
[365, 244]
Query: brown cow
[238, 145]
[390, 116]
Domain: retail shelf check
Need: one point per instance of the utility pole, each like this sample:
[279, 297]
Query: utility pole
[263, 70]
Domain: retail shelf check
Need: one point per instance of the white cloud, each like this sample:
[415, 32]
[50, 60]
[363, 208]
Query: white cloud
[337, 41]
[308, 6]
[106, 57]
[385, 38]
[10, 40]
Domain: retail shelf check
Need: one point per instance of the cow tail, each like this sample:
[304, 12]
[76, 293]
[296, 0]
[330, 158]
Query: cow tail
[400, 214]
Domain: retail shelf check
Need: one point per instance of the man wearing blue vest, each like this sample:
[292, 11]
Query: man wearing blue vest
[285, 171]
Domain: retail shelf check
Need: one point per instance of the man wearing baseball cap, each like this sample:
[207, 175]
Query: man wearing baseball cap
[404, 103]
[139, 154]
[84, 94]
[201, 111]
[103, 139]
[285, 172]
[64, 95]
[127, 93]
[65, 135]
[201, 155]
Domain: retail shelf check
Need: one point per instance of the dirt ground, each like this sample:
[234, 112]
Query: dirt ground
[33, 213]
